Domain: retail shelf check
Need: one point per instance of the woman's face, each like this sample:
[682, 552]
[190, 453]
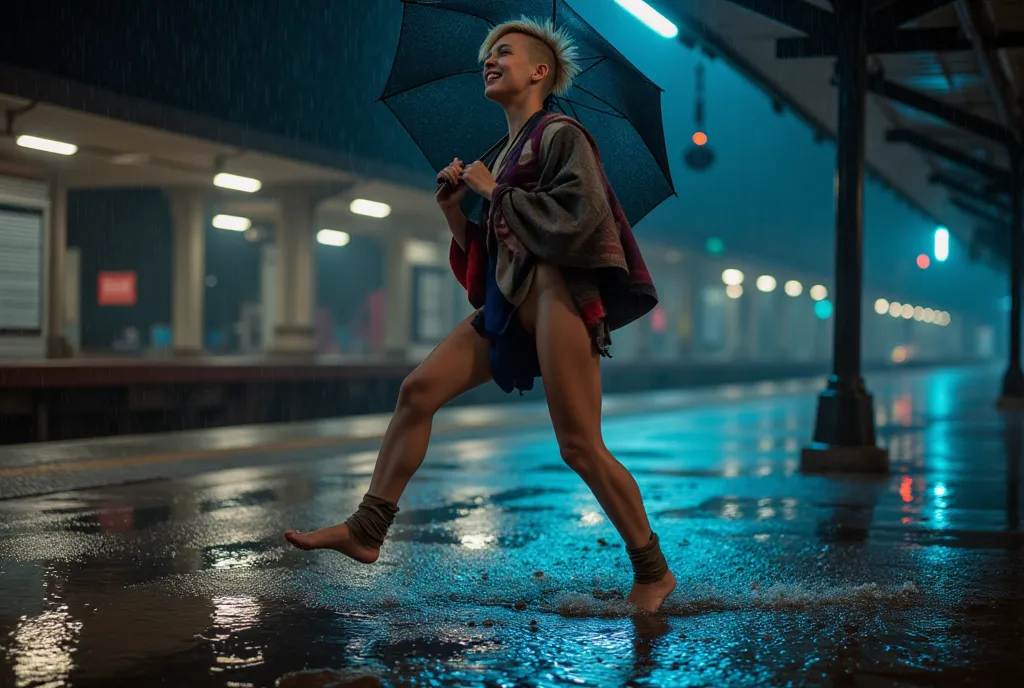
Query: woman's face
[509, 69]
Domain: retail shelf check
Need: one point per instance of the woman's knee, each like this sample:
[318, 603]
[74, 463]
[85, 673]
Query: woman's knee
[581, 454]
[417, 396]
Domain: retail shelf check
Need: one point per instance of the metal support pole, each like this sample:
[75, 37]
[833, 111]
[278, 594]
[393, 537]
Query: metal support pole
[1013, 381]
[844, 434]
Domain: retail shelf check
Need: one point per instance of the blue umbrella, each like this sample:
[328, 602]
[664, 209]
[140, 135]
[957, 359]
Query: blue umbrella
[436, 92]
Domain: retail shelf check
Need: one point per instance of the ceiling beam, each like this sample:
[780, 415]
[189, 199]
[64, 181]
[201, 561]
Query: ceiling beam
[882, 42]
[796, 14]
[980, 213]
[924, 143]
[894, 13]
[968, 191]
[936, 108]
[979, 30]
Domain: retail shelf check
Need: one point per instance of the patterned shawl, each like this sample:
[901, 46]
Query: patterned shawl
[554, 204]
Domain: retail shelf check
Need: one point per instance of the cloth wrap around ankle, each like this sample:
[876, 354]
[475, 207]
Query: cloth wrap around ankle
[369, 524]
[649, 565]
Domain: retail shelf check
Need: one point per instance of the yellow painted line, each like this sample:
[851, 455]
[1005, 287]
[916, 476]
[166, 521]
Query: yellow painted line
[170, 457]
[508, 420]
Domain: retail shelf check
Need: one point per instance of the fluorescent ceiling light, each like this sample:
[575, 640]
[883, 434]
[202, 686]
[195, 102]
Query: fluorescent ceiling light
[651, 17]
[361, 206]
[232, 223]
[237, 183]
[333, 237]
[47, 145]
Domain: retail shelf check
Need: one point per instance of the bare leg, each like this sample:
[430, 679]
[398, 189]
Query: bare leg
[572, 383]
[459, 363]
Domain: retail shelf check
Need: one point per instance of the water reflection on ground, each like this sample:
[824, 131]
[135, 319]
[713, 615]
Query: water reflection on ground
[503, 570]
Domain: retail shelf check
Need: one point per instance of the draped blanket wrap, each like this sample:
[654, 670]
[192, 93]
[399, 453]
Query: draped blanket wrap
[553, 204]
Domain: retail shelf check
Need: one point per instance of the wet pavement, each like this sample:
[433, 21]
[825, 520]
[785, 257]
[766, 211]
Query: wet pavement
[914, 579]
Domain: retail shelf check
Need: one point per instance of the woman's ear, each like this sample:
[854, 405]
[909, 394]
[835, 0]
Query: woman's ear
[540, 73]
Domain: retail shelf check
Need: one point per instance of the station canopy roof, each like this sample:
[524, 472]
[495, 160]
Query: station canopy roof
[944, 78]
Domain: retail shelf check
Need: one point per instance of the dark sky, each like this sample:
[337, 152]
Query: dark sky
[312, 70]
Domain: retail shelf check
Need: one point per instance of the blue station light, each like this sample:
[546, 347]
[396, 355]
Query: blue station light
[941, 244]
[823, 309]
[651, 17]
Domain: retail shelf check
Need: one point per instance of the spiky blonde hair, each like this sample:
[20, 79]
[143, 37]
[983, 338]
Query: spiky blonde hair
[565, 69]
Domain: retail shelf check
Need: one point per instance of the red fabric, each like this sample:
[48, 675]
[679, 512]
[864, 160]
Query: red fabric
[469, 265]
[600, 296]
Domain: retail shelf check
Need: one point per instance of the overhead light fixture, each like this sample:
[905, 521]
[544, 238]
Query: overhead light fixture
[333, 237]
[361, 206]
[819, 292]
[46, 145]
[232, 223]
[734, 291]
[794, 288]
[237, 183]
[653, 19]
[881, 306]
[941, 244]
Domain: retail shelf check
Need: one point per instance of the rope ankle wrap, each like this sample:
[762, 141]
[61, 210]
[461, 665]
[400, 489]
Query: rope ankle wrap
[369, 524]
[649, 565]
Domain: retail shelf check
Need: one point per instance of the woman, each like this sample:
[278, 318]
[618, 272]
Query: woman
[553, 270]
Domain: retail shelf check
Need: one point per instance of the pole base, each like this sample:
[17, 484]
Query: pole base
[292, 341]
[844, 432]
[1013, 389]
[58, 347]
[1010, 403]
[822, 458]
[187, 352]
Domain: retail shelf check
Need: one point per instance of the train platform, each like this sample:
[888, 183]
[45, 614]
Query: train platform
[159, 560]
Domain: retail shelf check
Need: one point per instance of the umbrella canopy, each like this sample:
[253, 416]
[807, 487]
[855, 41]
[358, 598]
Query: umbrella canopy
[436, 91]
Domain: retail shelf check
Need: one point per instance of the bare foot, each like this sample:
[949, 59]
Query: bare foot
[337, 538]
[648, 597]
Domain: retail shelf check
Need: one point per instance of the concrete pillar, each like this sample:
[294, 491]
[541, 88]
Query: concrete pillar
[188, 214]
[295, 275]
[57, 345]
[398, 288]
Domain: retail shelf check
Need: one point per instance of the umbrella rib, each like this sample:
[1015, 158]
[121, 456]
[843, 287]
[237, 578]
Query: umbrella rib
[427, 83]
[593, 95]
[616, 114]
[433, 5]
[599, 59]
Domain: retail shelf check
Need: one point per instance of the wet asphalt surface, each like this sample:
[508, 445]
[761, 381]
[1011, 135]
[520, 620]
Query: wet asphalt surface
[915, 579]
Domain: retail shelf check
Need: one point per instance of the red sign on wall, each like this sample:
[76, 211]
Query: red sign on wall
[117, 289]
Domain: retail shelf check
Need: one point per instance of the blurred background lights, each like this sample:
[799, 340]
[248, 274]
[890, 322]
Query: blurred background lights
[734, 291]
[766, 283]
[794, 288]
[819, 292]
[732, 277]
